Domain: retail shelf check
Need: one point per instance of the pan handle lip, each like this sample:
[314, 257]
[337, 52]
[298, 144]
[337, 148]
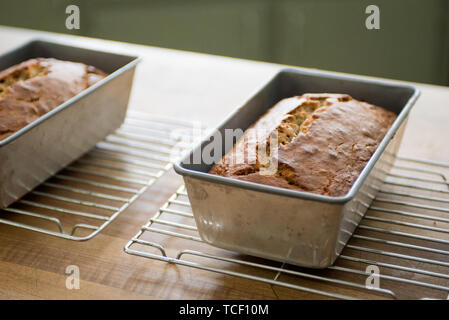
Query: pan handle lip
[179, 169]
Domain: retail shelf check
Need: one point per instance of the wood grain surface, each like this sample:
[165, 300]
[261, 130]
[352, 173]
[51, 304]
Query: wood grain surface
[187, 86]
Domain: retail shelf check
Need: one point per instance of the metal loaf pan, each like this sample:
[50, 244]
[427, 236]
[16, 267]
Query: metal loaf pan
[296, 227]
[37, 151]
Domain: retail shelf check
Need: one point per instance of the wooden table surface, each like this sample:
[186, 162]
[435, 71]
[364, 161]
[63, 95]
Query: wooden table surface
[181, 85]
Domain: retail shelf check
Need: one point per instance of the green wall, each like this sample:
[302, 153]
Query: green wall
[412, 43]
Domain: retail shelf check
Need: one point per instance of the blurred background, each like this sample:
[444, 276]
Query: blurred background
[412, 43]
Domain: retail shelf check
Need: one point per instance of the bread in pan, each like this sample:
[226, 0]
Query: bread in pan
[323, 143]
[34, 87]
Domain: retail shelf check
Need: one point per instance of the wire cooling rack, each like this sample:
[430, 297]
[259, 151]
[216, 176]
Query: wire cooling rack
[404, 236]
[83, 198]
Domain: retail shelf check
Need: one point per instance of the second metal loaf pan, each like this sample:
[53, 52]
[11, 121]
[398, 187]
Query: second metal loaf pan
[37, 151]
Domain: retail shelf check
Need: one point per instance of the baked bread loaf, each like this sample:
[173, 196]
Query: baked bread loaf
[323, 143]
[34, 87]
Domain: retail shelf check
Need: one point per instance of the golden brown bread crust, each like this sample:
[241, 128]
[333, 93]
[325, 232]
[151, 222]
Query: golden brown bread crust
[34, 87]
[324, 141]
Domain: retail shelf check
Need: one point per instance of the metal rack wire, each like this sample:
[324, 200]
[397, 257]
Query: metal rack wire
[82, 199]
[405, 234]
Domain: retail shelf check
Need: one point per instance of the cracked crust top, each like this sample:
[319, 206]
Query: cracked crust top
[324, 142]
[34, 87]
